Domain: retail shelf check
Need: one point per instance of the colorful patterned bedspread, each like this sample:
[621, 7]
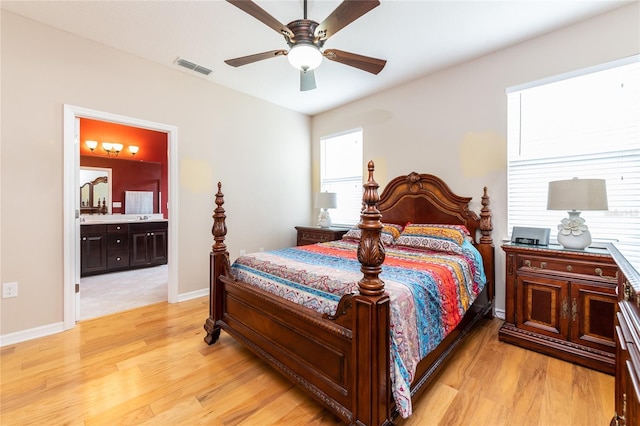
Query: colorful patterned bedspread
[429, 293]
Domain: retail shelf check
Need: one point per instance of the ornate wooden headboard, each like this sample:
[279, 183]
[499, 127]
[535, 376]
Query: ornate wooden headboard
[424, 198]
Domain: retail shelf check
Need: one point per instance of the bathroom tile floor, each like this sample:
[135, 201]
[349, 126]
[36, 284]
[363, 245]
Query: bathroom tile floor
[106, 294]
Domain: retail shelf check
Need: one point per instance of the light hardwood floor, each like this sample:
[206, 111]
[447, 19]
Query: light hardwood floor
[151, 366]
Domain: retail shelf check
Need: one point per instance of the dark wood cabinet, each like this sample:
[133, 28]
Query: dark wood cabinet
[93, 249]
[122, 246]
[148, 244]
[312, 235]
[562, 303]
[117, 246]
[627, 383]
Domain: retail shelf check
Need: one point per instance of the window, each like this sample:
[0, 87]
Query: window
[584, 125]
[341, 172]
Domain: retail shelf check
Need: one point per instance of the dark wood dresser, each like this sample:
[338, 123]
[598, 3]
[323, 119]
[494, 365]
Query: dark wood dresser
[562, 303]
[627, 404]
[315, 234]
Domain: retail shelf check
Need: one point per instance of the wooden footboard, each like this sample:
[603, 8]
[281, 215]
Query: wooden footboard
[342, 361]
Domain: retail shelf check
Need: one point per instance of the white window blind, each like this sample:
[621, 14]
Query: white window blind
[585, 126]
[341, 172]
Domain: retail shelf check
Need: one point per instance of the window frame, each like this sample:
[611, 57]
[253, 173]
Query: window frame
[349, 201]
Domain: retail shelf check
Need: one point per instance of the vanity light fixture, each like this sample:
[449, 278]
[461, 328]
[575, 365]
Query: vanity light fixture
[117, 147]
[91, 145]
[112, 148]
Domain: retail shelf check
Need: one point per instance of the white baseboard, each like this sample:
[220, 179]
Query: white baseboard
[32, 333]
[499, 313]
[47, 330]
[193, 295]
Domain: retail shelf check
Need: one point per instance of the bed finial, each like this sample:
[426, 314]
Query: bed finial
[485, 219]
[370, 249]
[219, 229]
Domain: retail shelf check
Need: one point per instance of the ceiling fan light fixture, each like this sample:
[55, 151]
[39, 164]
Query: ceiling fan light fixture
[305, 56]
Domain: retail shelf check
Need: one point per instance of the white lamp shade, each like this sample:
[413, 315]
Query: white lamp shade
[91, 144]
[577, 194]
[304, 56]
[326, 200]
[133, 149]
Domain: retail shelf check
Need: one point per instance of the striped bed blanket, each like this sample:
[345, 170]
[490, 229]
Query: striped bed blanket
[429, 292]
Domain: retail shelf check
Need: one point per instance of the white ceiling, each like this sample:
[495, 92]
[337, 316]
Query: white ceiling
[416, 37]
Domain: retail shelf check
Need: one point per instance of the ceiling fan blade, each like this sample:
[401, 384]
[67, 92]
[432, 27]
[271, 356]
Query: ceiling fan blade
[365, 63]
[347, 12]
[307, 80]
[244, 60]
[261, 15]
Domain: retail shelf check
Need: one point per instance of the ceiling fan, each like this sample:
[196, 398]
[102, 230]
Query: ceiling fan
[306, 37]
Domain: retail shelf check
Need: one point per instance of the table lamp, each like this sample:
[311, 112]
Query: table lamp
[325, 201]
[576, 195]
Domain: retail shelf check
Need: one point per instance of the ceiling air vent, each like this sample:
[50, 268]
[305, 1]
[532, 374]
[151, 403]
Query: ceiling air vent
[192, 66]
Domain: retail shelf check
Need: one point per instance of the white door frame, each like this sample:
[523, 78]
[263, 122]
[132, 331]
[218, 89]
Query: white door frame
[72, 204]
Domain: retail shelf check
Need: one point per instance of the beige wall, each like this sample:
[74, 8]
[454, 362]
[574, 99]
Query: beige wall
[222, 135]
[453, 123]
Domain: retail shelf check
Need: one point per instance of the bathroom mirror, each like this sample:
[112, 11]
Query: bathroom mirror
[95, 190]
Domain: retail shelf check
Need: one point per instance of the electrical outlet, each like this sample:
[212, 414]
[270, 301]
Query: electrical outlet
[261, 249]
[9, 290]
[243, 252]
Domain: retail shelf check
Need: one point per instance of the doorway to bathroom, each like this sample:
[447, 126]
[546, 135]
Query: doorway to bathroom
[123, 177]
[165, 197]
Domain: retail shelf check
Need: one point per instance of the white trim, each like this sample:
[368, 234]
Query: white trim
[575, 73]
[499, 313]
[32, 333]
[344, 132]
[172, 196]
[71, 223]
[193, 294]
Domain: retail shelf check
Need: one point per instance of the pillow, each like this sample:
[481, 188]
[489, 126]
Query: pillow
[447, 238]
[390, 232]
[461, 228]
[353, 234]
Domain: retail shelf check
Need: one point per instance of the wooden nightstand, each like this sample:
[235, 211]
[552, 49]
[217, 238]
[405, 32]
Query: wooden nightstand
[562, 303]
[315, 234]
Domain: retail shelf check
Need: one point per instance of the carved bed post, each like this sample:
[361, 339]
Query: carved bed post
[372, 383]
[219, 265]
[486, 248]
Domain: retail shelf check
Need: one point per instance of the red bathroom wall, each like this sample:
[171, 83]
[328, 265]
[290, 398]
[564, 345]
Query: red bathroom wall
[147, 170]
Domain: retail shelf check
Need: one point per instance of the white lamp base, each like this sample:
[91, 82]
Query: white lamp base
[573, 233]
[324, 220]
[576, 242]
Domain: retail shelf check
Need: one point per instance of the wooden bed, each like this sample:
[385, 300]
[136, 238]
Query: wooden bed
[343, 361]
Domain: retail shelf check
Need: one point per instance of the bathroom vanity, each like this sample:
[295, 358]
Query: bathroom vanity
[111, 243]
